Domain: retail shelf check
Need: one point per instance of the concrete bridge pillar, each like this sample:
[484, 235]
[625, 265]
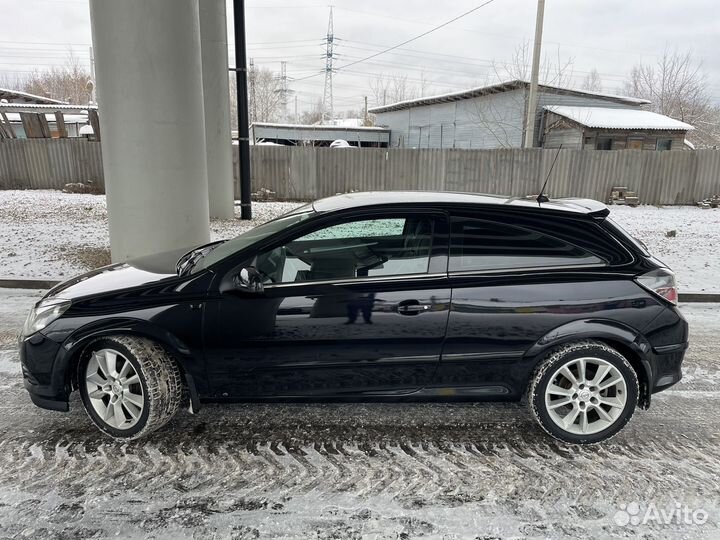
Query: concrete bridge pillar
[150, 93]
[216, 95]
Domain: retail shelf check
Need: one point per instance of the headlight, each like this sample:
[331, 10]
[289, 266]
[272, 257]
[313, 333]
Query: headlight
[43, 314]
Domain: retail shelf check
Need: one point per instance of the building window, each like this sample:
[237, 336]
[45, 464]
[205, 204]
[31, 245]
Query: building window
[604, 143]
[663, 144]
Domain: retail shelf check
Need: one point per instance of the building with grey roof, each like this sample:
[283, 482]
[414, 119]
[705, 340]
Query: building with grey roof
[487, 117]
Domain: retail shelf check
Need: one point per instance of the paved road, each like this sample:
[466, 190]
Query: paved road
[362, 471]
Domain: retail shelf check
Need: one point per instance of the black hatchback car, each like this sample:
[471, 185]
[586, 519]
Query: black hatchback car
[373, 296]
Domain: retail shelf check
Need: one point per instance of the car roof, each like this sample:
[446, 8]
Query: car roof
[380, 198]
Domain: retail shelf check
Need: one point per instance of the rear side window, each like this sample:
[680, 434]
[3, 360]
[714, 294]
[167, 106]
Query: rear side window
[477, 245]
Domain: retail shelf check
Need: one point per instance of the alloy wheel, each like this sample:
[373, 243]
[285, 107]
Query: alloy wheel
[114, 389]
[586, 395]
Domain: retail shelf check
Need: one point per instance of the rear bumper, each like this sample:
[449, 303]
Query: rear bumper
[667, 336]
[667, 366]
[46, 386]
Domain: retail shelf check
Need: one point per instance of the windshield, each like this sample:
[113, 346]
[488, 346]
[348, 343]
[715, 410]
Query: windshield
[251, 236]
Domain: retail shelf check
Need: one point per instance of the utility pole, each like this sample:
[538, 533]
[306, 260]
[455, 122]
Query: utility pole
[242, 110]
[328, 113]
[252, 79]
[365, 119]
[93, 98]
[296, 110]
[532, 97]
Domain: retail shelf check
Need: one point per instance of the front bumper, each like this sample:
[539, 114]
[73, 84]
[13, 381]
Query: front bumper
[47, 387]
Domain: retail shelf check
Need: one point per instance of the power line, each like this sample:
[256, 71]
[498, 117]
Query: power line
[465, 14]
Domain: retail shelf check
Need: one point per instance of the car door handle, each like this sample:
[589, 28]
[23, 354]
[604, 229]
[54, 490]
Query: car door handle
[411, 308]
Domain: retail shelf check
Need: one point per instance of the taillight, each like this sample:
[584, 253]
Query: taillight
[660, 282]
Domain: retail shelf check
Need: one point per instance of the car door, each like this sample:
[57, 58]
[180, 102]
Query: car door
[350, 305]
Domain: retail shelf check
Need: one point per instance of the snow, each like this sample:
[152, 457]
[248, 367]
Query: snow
[315, 126]
[54, 235]
[31, 96]
[358, 470]
[692, 254]
[607, 118]
[69, 118]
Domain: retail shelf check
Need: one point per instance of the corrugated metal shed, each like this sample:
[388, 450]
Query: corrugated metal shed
[297, 133]
[482, 118]
[503, 87]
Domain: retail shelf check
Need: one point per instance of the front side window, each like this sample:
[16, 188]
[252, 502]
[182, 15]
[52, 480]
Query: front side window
[479, 245]
[388, 246]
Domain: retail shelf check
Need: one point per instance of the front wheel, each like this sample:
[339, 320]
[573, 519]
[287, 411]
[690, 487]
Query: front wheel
[583, 392]
[130, 386]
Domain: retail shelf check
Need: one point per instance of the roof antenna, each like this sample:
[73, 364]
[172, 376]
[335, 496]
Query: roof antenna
[541, 198]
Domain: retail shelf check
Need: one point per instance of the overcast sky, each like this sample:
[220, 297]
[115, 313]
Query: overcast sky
[610, 36]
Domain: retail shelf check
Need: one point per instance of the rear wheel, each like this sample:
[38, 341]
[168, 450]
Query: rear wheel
[584, 392]
[130, 386]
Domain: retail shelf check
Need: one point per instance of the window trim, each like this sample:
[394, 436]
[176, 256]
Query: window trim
[363, 279]
[525, 269]
[494, 271]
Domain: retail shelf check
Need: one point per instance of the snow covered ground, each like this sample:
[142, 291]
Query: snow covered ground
[351, 471]
[54, 235]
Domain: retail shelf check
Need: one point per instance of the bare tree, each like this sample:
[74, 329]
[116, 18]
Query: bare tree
[676, 85]
[554, 69]
[387, 89]
[11, 82]
[314, 115]
[500, 120]
[264, 99]
[67, 83]
[592, 82]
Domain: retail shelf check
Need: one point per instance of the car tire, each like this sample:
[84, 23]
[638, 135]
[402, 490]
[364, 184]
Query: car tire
[130, 386]
[583, 392]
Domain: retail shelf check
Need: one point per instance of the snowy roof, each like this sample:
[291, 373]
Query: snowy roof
[347, 122]
[605, 118]
[23, 97]
[318, 127]
[14, 117]
[502, 87]
[37, 107]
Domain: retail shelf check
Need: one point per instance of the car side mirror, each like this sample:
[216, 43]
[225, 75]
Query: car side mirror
[248, 280]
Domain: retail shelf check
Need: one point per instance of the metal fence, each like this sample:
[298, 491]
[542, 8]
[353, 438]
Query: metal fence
[49, 163]
[659, 177]
[299, 173]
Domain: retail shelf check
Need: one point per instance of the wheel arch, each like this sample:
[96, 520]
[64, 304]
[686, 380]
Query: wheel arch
[190, 369]
[623, 338]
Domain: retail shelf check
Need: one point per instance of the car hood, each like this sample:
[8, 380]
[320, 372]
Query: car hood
[134, 273]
